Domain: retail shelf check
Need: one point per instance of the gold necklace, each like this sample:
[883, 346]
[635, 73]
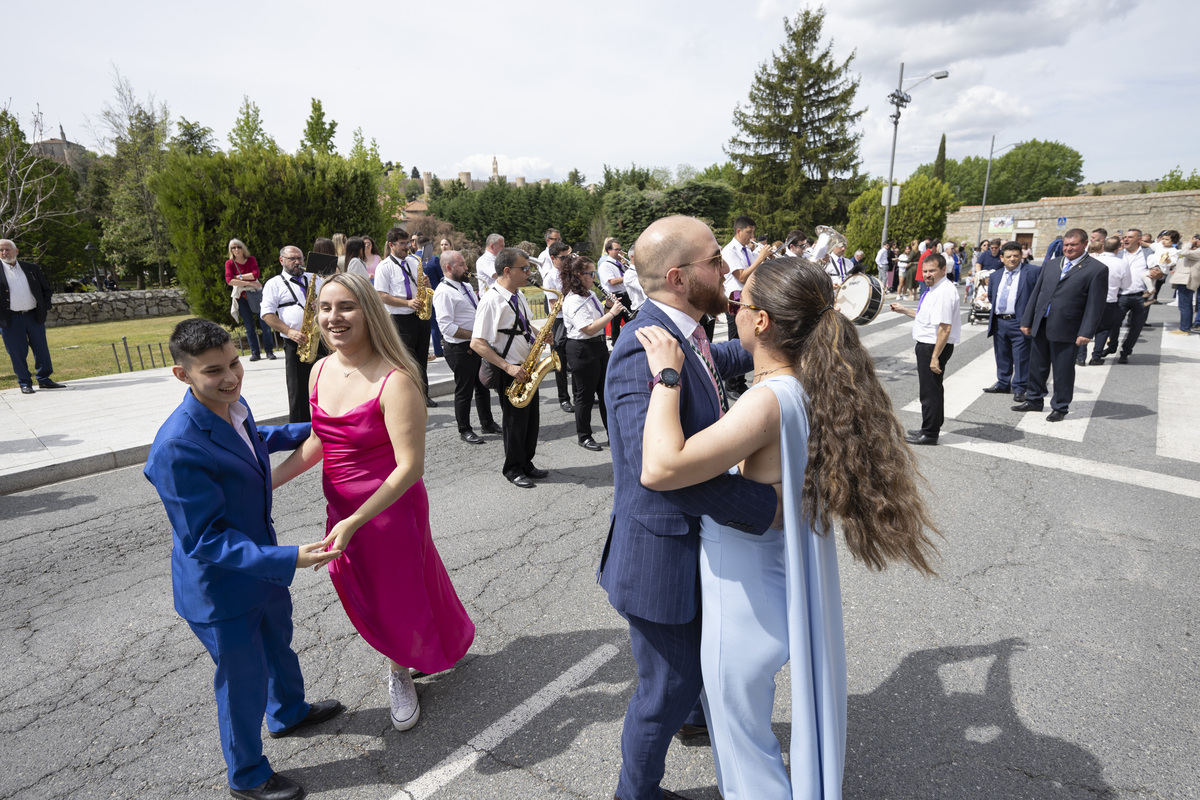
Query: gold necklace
[758, 375]
[360, 366]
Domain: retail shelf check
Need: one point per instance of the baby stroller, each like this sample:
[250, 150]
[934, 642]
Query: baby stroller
[977, 294]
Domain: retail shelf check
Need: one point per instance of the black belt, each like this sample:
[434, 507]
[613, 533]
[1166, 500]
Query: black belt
[446, 344]
[1006, 316]
[30, 311]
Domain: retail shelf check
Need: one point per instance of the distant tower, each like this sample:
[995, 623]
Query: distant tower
[427, 182]
[61, 134]
[495, 170]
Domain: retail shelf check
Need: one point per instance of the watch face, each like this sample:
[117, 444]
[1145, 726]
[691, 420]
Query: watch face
[669, 376]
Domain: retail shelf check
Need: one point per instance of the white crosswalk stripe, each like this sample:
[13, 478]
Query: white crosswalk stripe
[1178, 385]
[1089, 382]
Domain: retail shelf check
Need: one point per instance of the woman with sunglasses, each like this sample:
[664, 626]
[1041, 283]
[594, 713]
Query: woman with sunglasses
[587, 354]
[770, 599]
[241, 272]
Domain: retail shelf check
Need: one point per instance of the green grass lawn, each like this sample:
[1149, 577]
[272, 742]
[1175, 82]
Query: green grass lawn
[85, 351]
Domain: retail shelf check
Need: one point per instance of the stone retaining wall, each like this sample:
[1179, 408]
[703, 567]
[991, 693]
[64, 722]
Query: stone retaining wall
[77, 309]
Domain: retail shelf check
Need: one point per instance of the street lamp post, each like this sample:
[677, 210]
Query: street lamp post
[900, 99]
[91, 251]
[986, 179]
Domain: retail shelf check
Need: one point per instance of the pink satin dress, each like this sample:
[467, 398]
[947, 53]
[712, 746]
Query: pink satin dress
[390, 579]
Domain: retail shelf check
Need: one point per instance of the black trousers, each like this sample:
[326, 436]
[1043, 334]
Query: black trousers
[558, 343]
[1046, 356]
[296, 374]
[589, 364]
[414, 332]
[735, 383]
[933, 397]
[464, 363]
[614, 327]
[1133, 305]
[520, 431]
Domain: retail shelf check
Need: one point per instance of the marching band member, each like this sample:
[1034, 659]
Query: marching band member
[454, 303]
[739, 257]
[396, 282]
[612, 278]
[283, 309]
[838, 266]
[552, 258]
[587, 353]
[633, 284]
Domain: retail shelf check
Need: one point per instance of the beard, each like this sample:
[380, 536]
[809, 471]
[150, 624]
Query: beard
[706, 298]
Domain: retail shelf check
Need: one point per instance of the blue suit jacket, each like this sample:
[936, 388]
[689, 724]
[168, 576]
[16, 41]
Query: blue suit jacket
[1027, 275]
[651, 559]
[225, 560]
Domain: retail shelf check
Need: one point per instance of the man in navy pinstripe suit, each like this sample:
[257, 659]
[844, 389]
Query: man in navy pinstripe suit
[650, 563]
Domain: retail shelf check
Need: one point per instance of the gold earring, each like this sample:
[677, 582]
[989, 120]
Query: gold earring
[757, 332]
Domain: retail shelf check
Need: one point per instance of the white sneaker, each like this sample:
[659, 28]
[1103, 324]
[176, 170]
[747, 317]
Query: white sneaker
[403, 695]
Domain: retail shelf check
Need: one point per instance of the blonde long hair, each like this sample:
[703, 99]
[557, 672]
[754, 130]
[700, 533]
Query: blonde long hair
[380, 331]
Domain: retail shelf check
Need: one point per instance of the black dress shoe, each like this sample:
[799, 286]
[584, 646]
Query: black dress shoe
[1019, 397]
[534, 472]
[1056, 415]
[270, 356]
[691, 734]
[590, 444]
[471, 437]
[48, 384]
[275, 787]
[255, 357]
[522, 481]
[27, 389]
[1122, 359]
[921, 438]
[996, 388]
[1095, 362]
[1108, 351]
[1027, 406]
[1081, 363]
[669, 795]
[566, 406]
[491, 427]
[429, 402]
[317, 712]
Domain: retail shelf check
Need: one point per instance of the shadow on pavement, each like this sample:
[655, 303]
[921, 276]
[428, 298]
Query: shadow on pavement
[31, 504]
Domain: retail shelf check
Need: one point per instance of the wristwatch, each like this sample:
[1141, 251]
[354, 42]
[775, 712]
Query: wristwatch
[668, 377]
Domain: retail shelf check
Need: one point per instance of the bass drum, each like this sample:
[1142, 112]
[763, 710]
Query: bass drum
[860, 298]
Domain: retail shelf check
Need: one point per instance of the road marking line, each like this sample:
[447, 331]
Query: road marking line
[1178, 382]
[465, 757]
[1089, 382]
[963, 387]
[1126, 476]
[1187, 344]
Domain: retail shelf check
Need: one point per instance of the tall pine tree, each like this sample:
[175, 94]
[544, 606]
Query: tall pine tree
[796, 145]
[939, 165]
[318, 136]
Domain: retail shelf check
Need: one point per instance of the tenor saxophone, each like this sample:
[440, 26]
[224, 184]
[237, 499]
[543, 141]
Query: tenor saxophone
[307, 352]
[425, 294]
[520, 393]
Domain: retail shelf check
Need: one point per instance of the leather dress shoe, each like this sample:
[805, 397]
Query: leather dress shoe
[270, 356]
[51, 385]
[590, 444]
[429, 403]
[1027, 406]
[1019, 397]
[692, 734]
[566, 406]
[255, 357]
[1056, 415]
[317, 712]
[1122, 359]
[275, 787]
[1095, 361]
[1108, 351]
[471, 437]
[491, 428]
[921, 438]
[996, 388]
[534, 472]
[667, 795]
[27, 389]
[522, 481]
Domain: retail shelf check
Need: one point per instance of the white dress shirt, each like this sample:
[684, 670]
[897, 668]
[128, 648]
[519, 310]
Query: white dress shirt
[837, 268]
[736, 256]
[485, 271]
[633, 288]
[608, 269]
[454, 306]
[939, 306]
[389, 279]
[1119, 279]
[552, 279]
[882, 259]
[579, 311]
[1136, 261]
[495, 313]
[20, 294]
[284, 297]
[1010, 306]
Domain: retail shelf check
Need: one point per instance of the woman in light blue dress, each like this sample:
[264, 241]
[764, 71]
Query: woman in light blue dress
[815, 424]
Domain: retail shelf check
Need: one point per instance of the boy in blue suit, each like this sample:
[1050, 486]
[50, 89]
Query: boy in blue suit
[210, 465]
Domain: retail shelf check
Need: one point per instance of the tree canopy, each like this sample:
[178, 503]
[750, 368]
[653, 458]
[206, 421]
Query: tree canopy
[1027, 173]
[796, 144]
[248, 133]
[921, 211]
[318, 134]
[1174, 181]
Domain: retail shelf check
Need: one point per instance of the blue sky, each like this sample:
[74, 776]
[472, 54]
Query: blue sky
[548, 87]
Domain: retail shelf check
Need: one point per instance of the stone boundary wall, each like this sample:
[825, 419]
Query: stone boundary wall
[1149, 213]
[77, 309]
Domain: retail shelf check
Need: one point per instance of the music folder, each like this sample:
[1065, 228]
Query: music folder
[321, 264]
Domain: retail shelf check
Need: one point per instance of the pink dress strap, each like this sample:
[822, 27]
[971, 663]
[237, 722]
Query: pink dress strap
[385, 380]
[317, 382]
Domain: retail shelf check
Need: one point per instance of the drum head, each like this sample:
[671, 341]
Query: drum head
[855, 295]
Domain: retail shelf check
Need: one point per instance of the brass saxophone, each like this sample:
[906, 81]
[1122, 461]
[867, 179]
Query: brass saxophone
[307, 352]
[425, 295]
[520, 393]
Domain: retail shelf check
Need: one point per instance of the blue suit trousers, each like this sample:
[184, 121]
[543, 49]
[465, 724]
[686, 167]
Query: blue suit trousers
[1012, 354]
[257, 672]
[21, 335]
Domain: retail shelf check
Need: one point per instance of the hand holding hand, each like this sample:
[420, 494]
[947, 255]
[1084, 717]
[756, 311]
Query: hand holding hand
[339, 537]
[315, 555]
[662, 350]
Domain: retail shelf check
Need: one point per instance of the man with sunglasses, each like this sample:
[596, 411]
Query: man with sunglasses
[650, 562]
[553, 258]
[282, 309]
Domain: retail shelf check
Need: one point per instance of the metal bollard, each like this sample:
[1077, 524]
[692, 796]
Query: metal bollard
[160, 354]
[141, 363]
[117, 357]
[128, 357]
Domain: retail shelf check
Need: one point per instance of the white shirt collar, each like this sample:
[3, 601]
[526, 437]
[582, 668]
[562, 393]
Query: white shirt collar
[687, 326]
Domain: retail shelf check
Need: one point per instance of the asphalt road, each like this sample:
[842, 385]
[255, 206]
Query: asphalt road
[1054, 657]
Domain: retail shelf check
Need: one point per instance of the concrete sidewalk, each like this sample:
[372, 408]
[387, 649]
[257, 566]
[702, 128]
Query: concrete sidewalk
[103, 423]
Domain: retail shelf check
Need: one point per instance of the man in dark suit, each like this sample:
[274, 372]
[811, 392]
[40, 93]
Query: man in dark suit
[211, 466]
[1009, 290]
[1068, 303]
[651, 559]
[25, 297]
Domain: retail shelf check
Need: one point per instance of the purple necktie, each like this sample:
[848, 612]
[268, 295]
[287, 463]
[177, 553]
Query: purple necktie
[521, 318]
[746, 253]
[468, 293]
[596, 303]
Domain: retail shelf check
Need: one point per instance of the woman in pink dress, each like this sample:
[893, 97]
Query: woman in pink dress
[369, 427]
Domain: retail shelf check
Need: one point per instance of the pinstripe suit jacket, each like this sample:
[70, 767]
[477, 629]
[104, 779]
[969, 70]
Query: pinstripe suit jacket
[650, 561]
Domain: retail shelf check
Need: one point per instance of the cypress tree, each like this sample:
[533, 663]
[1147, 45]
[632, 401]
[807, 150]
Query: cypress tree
[939, 165]
[795, 142]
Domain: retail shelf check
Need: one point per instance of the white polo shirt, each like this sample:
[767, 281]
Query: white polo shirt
[939, 306]
[284, 296]
[496, 313]
[454, 306]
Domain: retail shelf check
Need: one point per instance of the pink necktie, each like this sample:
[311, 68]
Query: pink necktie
[700, 342]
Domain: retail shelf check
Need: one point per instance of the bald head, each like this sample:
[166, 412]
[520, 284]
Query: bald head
[671, 242]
